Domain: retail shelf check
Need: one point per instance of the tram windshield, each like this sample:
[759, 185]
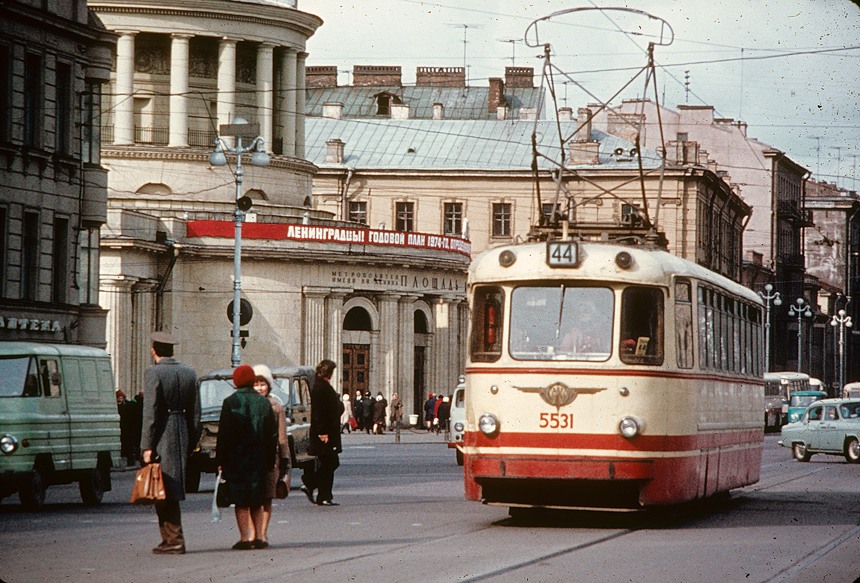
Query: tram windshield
[561, 323]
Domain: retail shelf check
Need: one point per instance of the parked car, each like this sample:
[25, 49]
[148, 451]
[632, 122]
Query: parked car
[830, 426]
[458, 419]
[293, 390]
[800, 400]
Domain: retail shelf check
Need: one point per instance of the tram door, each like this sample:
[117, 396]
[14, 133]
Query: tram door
[355, 368]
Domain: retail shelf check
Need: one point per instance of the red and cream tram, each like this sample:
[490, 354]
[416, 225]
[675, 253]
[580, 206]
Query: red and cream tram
[609, 376]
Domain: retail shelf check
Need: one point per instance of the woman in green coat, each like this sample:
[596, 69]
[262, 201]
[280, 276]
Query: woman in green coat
[246, 448]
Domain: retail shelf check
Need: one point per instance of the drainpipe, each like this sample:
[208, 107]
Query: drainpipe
[159, 291]
[344, 213]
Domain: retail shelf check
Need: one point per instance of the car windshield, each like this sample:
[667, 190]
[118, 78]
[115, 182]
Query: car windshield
[850, 410]
[803, 400]
[18, 377]
[212, 394]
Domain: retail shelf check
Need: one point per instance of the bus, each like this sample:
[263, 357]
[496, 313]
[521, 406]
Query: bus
[608, 376]
[778, 387]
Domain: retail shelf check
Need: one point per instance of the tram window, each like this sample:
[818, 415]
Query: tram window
[561, 323]
[684, 324]
[487, 311]
[642, 323]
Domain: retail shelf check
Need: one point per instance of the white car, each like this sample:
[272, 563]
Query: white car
[458, 419]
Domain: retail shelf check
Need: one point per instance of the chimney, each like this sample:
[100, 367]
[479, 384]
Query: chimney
[496, 95]
[502, 112]
[583, 120]
[376, 76]
[321, 76]
[332, 110]
[565, 114]
[624, 125]
[399, 111]
[585, 152]
[519, 77]
[334, 151]
[686, 152]
[528, 113]
[438, 111]
[440, 77]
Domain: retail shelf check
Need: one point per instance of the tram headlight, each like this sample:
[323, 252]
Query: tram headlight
[458, 427]
[629, 427]
[8, 444]
[489, 425]
[507, 258]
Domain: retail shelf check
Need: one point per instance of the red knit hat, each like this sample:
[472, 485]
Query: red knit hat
[243, 376]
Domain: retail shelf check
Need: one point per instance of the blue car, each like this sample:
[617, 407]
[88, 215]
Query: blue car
[800, 400]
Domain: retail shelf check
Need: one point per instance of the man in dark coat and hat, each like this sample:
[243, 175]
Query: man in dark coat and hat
[171, 428]
[326, 408]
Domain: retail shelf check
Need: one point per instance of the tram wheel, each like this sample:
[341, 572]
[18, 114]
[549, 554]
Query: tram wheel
[852, 451]
[800, 452]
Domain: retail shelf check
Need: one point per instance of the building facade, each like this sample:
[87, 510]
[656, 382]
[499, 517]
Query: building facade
[388, 310]
[54, 60]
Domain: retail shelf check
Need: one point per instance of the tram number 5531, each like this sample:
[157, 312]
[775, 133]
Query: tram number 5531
[556, 421]
[562, 254]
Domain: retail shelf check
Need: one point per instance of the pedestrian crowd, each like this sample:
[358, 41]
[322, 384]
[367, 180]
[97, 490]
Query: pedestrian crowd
[252, 450]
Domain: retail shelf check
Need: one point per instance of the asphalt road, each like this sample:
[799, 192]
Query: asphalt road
[403, 518]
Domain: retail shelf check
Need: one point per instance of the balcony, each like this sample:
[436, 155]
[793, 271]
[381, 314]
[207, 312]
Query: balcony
[790, 211]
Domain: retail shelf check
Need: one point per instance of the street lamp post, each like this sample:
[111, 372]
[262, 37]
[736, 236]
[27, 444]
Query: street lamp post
[768, 297]
[801, 310]
[240, 129]
[843, 321]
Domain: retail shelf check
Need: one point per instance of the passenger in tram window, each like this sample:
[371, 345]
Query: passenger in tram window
[585, 331]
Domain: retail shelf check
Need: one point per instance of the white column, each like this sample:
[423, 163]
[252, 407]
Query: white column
[226, 81]
[334, 331]
[313, 325]
[123, 101]
[455, 363]
[288, 101]
[406, 345]
[179, 64]
[388, 340]
[300, 105]
[265, 91]
[441, 339]
[115, 297]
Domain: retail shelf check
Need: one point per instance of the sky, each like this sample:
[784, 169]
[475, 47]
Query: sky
[788, 68]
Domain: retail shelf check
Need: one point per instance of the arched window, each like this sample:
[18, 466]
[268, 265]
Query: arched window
[420, 322]
[357, 319]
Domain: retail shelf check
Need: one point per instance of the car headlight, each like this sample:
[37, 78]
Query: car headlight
[8, 444]
[629, 427]
[458, 427]
[488, 424]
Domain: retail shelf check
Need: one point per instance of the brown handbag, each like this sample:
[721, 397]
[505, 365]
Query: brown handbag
[148, 485]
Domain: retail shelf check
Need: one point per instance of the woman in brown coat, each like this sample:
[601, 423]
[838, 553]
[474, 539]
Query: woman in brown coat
[263, 383]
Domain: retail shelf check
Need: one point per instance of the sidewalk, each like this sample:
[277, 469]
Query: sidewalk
[407, 436]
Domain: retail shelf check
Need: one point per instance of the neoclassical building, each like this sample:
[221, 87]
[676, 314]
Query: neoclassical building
[387, 307]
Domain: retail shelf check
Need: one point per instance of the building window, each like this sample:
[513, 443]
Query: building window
[453, 224]
[3, 258]
[501, 219]
[88, 268]
[32, 100]
[30, 256]
[91, 131]
[64, 111]
[358, 212]
[60, 266]
[5, 83]
[405, 216]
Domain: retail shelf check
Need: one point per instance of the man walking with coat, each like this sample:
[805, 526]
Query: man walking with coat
[171, 427]
[326, 408]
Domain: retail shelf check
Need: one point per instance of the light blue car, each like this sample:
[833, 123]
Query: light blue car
[830, 426]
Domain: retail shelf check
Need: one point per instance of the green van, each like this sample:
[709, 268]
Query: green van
[58, 420]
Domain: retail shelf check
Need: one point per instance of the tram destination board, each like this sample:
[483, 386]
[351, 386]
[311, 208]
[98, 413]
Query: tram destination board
[562, 253]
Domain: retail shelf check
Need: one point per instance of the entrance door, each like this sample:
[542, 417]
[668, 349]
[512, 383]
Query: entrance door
[418, 396]
[355, 368]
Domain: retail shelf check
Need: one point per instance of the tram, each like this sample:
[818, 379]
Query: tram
[610, 376]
